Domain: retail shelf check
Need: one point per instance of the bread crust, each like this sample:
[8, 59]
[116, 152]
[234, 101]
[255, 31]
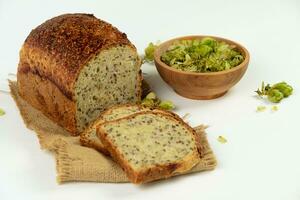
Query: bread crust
[85, 140]
[155, 172]
[46, 97]
[146, 88]
[54, 53]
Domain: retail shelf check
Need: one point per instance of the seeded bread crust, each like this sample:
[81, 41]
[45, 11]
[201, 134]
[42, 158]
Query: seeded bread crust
[154, 173]
[59, 48]
[54, 53]
[87, 138]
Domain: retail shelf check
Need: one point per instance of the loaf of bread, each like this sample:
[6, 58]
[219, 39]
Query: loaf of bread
[150, 146]
[74, 66]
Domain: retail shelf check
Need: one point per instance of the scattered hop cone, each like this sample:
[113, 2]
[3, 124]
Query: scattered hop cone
[275, 96]
[148, 102]
[152, 101]
[151, 95]
[284, 88]
[166, 105]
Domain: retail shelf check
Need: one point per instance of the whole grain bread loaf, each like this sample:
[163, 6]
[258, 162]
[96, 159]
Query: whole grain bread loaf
[74, 66]
[150, 146]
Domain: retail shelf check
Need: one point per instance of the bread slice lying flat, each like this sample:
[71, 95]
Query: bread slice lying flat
[89, 137]
[150, 146]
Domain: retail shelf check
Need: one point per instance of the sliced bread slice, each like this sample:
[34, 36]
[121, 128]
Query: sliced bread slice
[150, 146]
[89, 137]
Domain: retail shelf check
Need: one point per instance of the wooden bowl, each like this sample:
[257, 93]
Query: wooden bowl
[196, 85]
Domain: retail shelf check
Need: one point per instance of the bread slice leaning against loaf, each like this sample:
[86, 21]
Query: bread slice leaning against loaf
[74, 66]
[150, 146]
[89, 137]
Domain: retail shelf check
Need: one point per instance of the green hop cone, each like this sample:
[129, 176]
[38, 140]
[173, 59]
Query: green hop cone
[151, 95]
[203, 50]
[148, 102]
[149, 52]
[209, 42]
[275, 95]
[284, 88]
[166, 105]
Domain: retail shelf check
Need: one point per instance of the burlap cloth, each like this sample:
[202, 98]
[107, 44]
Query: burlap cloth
[77, 163]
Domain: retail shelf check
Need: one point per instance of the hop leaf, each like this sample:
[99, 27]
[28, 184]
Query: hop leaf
[222, 139]
[2, 112]
[260, 108]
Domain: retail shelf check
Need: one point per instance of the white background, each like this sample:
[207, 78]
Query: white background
[262, 157]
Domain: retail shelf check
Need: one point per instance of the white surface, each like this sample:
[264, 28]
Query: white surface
[261, 159]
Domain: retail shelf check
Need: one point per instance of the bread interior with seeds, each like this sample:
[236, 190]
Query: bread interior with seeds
[150, 146]
[89, 137]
